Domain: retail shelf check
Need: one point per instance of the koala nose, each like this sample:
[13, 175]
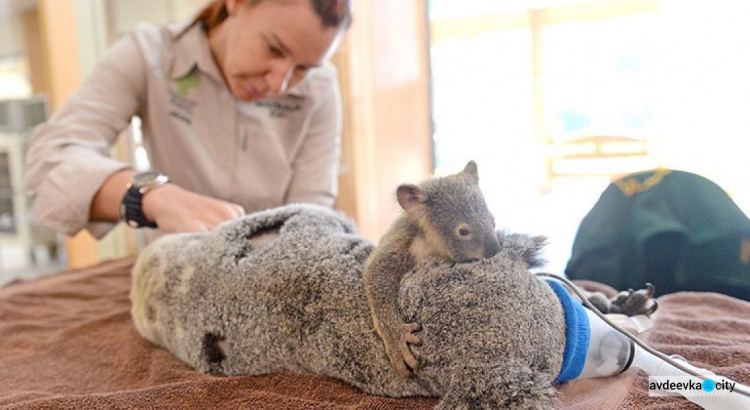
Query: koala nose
[491, 244]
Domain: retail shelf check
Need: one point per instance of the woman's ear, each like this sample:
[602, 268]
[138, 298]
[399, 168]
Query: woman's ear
[232, 6]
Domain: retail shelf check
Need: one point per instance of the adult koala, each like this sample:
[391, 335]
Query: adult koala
[282, 290]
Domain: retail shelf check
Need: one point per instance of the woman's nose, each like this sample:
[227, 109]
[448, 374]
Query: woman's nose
[279, 76]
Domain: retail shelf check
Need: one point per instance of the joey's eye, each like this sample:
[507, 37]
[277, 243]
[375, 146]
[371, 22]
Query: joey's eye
[464, 231]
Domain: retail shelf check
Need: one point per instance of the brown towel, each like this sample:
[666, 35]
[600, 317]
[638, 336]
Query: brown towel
[67, 342]
[708, 329]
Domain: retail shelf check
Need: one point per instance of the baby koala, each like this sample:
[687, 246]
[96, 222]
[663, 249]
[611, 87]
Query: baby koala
[445, 218]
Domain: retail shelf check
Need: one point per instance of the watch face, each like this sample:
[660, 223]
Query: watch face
[149, 179]
[144, 177]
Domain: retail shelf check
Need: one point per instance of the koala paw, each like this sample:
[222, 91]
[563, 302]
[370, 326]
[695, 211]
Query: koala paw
[399, 354]
[632, 303]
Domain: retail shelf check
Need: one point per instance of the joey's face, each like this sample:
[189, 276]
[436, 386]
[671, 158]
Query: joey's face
[454, 217]
[474, 241]
[468, 229]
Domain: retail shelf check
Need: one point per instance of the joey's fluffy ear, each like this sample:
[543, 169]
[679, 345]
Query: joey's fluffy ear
[471, 171]
[410, 196]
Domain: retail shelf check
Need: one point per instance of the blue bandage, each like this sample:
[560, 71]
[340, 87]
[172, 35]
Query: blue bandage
[577, 334]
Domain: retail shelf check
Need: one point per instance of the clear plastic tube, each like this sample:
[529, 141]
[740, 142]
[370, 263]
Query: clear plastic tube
[610, 352]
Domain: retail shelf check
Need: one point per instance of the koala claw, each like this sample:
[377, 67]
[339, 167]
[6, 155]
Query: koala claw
[409, 336]
[650, 290]
[399, 354]
[638, 302]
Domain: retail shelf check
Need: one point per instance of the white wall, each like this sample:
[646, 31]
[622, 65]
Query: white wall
[11, 34]
[128, 13]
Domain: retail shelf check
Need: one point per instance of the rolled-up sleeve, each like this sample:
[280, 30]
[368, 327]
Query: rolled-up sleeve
[68, 157]
[315, 175]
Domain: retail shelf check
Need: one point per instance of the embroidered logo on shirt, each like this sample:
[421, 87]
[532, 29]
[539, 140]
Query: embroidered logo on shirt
[280, 109]
[182, 107]
[745, 251]
[632, 186]
[187, 83]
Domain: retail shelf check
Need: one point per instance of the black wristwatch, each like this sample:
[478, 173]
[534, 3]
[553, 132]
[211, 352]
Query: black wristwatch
[131, 208]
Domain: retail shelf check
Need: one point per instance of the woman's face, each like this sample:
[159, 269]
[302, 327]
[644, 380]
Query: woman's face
[265, 49]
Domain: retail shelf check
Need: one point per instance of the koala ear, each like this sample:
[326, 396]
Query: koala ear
[410, 196]
[471, 171]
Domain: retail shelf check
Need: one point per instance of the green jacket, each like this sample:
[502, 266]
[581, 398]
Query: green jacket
[676, 230]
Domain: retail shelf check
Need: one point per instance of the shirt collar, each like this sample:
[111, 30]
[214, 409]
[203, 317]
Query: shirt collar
[192, 51]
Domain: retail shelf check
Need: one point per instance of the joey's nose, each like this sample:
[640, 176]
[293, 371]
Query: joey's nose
[491, 244]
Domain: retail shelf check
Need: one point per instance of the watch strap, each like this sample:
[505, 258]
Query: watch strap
[132, 209]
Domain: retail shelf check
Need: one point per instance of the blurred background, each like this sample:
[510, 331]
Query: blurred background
[552, 98]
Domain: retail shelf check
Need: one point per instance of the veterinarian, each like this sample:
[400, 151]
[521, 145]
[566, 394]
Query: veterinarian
[240, 112]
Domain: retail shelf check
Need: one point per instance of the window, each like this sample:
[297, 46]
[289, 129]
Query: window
[510, 80]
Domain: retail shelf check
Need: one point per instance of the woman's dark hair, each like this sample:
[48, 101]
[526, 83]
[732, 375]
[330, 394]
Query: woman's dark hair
[332, 13]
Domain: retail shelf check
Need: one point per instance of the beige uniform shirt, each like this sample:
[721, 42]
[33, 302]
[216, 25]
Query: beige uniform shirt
[258, 155]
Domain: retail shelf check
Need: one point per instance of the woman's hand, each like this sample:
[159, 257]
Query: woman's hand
[176, 209]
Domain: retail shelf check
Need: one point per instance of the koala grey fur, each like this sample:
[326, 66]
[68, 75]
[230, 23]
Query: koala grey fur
[282, 290]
